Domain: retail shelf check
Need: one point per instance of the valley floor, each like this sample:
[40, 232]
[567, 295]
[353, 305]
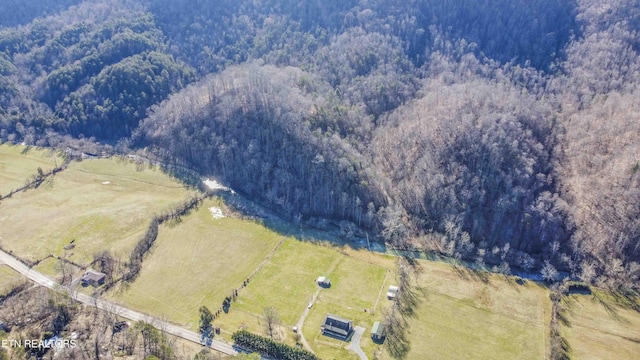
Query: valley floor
[213, 253]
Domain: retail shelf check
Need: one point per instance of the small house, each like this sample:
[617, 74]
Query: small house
[392, 292]
[377, 332]
[337, 327]
[324, 282]
[93, 278]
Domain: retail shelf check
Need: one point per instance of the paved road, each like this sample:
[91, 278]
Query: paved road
[114, 308]
[355, 343]
[23, 269]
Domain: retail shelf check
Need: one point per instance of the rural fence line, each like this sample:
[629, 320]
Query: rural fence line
[226, 304]
[146, 242]
[36, 180]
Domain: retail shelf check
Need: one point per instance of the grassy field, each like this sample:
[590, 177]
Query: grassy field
[18, 163]
[196, 262]
[97, 204]
[200, 260]
[598, 328]
[463, 316]
[287, 283]
[9, 278]
[359, 294]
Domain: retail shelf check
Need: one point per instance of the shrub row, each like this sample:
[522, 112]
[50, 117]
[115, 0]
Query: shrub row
[146, 242]
[269, 347]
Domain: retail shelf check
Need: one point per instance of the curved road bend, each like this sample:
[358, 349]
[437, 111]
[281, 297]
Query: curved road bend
[355, 343]
[113, 308]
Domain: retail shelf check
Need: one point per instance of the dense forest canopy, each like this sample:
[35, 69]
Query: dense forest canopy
[503, 132]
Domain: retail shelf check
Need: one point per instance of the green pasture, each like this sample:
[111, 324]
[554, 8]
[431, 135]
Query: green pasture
[466, 316]
[196, 262]
[18, 163]
[287, 283]
[601, 327]
[93, 205]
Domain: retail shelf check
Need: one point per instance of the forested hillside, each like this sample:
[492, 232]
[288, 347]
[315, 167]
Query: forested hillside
[502, 132]
[91, 70]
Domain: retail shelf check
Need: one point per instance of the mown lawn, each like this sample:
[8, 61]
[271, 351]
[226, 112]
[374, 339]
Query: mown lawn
[359, 294]
[600, 328]
[196, 262]
[97, 204]
[18, 163]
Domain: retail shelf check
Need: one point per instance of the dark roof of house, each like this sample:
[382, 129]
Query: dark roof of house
[337, 325]
[92, 275]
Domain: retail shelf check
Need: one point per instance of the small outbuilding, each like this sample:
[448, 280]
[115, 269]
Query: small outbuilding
[377, 331]
[324, 282]
[337, 327]
[93, 278]
[392, 292]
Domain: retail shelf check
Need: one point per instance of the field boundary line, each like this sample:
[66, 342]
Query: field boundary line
[546, 335]
[128, 178]
[37, 179]
[384, 282]
[234, 292]
[266, 259]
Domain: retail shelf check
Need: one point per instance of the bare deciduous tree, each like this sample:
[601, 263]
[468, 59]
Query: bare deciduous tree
[271, 321]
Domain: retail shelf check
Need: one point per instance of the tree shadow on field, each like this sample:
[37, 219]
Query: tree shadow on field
[563, 317]
[411, 293]
[27, 149]
[628, 300]
[398, 346]
[48, 182]
[515, 282]
[287, 227]
[469, 274]
[396, 330]
[568, 304]
[610, 308]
